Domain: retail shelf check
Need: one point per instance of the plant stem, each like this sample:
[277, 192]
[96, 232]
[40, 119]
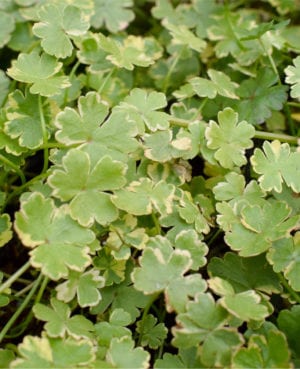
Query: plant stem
[111, 72]
[170, 71]
[19, 311]
[45, 135]
[285, 284]
[276, 136]
[14, 277]
[145, 312]
[14, 167]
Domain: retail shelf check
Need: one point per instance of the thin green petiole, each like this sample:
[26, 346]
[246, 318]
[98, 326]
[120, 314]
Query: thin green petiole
[14, 277]
[45, 135]
[21, 308]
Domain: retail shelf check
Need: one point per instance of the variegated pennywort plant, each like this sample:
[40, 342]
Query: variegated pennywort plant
[150, 180]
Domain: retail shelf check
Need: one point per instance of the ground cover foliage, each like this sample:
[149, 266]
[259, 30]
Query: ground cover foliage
[149, 184]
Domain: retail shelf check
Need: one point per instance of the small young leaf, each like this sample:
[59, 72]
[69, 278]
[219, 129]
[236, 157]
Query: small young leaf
[152, 334]
[59, 321]
[229, 138]
[83, 285]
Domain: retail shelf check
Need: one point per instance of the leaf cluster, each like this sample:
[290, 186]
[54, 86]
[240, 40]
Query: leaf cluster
[149, 184]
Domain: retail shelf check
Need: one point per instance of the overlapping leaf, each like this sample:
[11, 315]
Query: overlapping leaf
[276, 164]
[89, 188]
[144, 196]
[114, 15]
[135, 357]
[40, 71]
[260, 226]
[36, 352]
[115, 137]
[270, 351]
[132, 51]
[59, 321]
[58, 22]
[284, 257]
[85, 286]
[59, 242]
[24, 120]
[229, 138]
[142, 108]
[204, 323]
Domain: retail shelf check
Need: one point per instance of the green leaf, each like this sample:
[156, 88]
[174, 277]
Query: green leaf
[270, 351]
[132, 51]
[183, 36]
[4, 87]
[244, 305]
[134, 358]
[259, 227]
[53, 353]
[259, 97]
[142, 108]
[112, 138]
[284, 257]
[40, 71]
[85, 286]
[24, 121]
[88, 188]
[115, 15]
[151, 334]
[203, 322]
[292, 73]
[57, 24]
[7, 26]
[159, 267]
[6, 357]
[59, 322]
[60, 243]
[115, 328]
[189, 240]
[113, 269]
[237, 193]
[6, 233]
[229, 138]
[288, 324]
[276, 164]
[79, 127]
[142, 197]
[242, 274]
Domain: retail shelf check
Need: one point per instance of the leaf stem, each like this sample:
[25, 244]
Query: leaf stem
[145, 312]
[45, 135]
[19, 311]
[14, 277]
[276, 136]
[14, 167]
[170, 71]
[109, 74]
[285, 284]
